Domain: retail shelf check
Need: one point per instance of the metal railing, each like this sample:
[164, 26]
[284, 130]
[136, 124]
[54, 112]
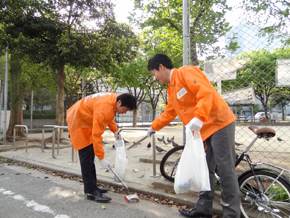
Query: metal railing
[53, 138]
[42, 142]
[153, 144]
[26, 140]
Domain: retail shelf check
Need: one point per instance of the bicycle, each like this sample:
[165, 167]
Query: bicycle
[265, 192]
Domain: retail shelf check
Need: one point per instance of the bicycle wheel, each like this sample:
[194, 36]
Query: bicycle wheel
[262, 195]
[169, 163]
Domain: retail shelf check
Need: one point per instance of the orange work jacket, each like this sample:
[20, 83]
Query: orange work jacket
[88, 118]
[190, 94]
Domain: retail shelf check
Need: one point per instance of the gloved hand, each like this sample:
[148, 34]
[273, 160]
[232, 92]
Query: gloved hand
[195, 124]
[150, 132]
[105, 164]
[118, 135]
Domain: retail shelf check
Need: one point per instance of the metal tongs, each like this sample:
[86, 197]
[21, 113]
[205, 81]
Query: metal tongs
[113, 171]
[135, 143]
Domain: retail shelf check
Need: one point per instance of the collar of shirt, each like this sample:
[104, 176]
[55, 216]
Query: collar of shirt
[170, 75]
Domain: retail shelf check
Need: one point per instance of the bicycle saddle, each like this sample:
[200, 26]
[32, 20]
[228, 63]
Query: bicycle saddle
[263, 132]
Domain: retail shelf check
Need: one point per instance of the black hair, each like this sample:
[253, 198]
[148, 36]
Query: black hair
[158, 59]
[128, 101]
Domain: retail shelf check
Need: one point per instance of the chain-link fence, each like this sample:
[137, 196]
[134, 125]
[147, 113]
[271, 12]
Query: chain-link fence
[254, 78]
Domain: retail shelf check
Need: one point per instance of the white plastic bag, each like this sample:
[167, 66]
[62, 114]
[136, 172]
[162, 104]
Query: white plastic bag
[192, 171]
[120, 160]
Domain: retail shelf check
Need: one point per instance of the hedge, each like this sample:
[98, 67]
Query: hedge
[47, 114]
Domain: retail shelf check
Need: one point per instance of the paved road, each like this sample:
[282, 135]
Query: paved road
[29, 193]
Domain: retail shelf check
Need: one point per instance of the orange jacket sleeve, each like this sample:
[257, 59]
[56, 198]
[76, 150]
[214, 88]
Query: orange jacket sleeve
[113, 126]
[166, 117]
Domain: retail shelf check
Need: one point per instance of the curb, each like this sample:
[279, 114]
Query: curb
[158, 193]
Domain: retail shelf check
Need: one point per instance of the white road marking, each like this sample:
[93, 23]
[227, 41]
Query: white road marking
[32, 204]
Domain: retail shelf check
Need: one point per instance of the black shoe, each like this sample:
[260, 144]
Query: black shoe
[103, 190]
[98, 197]
[193, 213]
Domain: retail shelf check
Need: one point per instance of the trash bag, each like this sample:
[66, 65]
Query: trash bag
[120, 160]
[192, 170]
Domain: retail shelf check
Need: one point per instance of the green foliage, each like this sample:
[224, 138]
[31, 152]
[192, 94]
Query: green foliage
[44, 97]
[258, 72]
[162, 40]
[54, 33]
[272, 15]
[60, 37]
[281, 98]
[207, 24]
[48, 114]
[278, 193]
[36, 76]
[135, 74]
[256, 108]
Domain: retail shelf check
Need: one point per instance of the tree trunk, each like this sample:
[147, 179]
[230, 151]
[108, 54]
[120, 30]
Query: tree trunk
[70, 100]
[60, 98]
[134, 117]
[16, 93]
[154, 113]
[193, 54]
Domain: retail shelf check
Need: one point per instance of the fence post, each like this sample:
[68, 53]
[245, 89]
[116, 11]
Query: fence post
[42, 143]
[53, 139]
[153, 144]
[26, 139]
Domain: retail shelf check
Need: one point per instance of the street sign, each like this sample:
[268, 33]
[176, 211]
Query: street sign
[243, 95]
[282, 72]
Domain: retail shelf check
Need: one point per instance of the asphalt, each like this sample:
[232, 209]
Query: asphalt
[142, 175]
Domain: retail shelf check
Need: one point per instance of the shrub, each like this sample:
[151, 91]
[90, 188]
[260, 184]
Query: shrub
[47, 114]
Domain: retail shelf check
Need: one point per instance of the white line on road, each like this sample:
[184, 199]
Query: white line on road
[32, 204]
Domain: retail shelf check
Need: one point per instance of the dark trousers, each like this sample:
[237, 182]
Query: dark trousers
[221, 152]
[87, 158]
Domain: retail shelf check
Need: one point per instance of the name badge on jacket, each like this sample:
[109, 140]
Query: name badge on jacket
[181, 93]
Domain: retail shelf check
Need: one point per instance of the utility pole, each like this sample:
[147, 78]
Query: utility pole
[31, 110]
[5, 97]
[185, 37]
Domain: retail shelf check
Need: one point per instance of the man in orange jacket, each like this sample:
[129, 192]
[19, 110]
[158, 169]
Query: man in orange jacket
[87, 120]
[196, 102]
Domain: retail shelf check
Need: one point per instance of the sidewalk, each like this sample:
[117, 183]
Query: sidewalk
[139, 171]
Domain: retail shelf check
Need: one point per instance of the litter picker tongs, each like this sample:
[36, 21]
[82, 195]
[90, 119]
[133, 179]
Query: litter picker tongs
[135, 143]
[113, 171]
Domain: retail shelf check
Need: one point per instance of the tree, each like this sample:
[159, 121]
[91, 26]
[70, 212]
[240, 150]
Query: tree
[25, 76]
[153, 92]
[134, 76]
[16, 116]
[272, 14]
[44, 97]
[258, 72]
[161, 41]
[12, 15]
[73, 84]
[37, 78]
[281, 98]
[207, 22]
[54, 32]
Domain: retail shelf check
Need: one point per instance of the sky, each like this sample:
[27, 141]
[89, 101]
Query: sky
[123, 7]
